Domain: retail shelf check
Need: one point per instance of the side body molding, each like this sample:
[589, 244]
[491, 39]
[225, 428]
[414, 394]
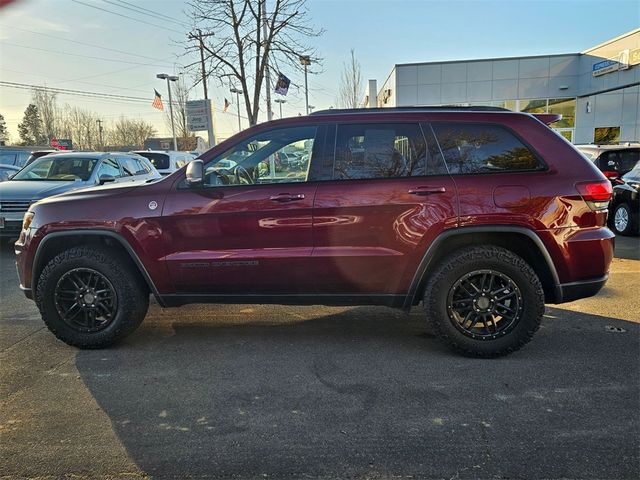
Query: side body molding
[37, 267]
[431, 253]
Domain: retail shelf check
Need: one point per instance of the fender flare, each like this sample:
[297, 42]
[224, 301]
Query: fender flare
[37, 259]
[431, 252]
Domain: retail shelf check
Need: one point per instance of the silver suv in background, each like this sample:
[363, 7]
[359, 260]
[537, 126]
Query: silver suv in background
[166, 161]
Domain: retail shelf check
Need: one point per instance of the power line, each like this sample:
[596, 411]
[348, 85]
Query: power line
[146, 11]
[88, 44]
[127, 16]
[84, 56]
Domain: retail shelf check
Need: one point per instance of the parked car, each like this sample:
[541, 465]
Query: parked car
[16, 156]
[625, 205]
[6, 171]
[62, 172]
[166, 162]
[480, 214]
[613, 160]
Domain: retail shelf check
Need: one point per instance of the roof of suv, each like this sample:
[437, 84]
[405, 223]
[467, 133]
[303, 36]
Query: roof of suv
[345, 111]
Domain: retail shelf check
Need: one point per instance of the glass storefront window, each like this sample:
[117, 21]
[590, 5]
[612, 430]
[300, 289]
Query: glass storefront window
[533, 106]
[606, 135]
[565, 107]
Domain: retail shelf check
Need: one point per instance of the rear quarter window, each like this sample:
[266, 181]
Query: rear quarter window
[478, 148]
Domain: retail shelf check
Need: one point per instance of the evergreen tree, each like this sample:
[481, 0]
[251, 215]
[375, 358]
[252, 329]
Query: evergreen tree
[3, 128]
[30, 130]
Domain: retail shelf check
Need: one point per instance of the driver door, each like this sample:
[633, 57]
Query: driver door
[247, 231]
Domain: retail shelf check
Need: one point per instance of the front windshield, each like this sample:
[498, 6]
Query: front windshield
[64, 169]
[633, 175]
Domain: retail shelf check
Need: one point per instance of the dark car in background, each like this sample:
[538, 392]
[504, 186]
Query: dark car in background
[62, 172]
[625, 205]
[17, 156]
[612, 160]
[7, 171]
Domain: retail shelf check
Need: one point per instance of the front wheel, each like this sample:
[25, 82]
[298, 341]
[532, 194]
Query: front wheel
[91, 297]
[484, 301]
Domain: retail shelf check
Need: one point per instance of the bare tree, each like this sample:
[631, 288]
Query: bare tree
[47, 105]
[130, 133]
[351, 91]
[180, 93]
[237, 50]
[80, 126]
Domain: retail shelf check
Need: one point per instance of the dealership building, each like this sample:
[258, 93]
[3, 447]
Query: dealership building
[596, 91]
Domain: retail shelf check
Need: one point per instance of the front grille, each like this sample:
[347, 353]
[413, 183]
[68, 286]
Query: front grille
[11, 206]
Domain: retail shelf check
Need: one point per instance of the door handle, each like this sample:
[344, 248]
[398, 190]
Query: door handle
[287, 197]
[423, 191]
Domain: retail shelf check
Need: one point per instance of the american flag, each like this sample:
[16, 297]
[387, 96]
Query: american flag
[157, 101]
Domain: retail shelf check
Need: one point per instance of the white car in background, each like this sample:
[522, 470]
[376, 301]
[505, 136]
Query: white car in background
[166, 161]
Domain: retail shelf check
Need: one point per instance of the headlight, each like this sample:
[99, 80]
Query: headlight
[26, 221]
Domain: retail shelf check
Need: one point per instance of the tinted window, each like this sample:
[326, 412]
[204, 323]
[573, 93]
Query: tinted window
[471, 148]
[379, 151]
[621, 160]
[264, 158]
[159, 160]
[7, 158]
[109, 167]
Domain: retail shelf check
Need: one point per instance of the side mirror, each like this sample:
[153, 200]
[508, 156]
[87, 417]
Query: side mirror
[195, 173]
[105, 178]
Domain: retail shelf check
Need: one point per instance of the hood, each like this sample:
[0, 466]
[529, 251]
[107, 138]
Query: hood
[35, 190]
[97, 191]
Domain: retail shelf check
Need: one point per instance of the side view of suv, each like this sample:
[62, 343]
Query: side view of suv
[481, 214]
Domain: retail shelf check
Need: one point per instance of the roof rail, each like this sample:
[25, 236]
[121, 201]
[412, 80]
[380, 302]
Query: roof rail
[471, 108]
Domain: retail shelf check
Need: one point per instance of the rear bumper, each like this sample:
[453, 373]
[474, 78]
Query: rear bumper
[568, 292]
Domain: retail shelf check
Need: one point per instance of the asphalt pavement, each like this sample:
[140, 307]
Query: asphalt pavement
[314, 392]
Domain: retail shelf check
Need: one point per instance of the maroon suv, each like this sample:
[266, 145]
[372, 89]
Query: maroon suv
[483, 215]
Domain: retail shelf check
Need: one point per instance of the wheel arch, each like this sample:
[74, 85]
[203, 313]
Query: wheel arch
[520, 240]
[56, 242]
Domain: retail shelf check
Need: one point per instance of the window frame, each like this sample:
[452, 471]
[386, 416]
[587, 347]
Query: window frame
[421, 128]
[544, 167]
[319, 143]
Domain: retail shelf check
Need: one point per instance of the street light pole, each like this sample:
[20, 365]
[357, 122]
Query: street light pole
[311, 107]
[99, 122]
[237, 91]
[305, 60]
[280, 101]
[170, 78]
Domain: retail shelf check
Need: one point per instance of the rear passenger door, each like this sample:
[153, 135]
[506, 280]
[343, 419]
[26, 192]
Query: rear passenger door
[387, 196]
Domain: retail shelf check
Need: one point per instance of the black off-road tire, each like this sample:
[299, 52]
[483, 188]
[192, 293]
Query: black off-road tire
[497, 259]
[132, 295]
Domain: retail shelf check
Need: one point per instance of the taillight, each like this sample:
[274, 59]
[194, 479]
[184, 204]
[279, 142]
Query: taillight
[596, 194]
[611, 174]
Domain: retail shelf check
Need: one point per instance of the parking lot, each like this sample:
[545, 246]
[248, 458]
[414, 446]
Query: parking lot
[315, 392]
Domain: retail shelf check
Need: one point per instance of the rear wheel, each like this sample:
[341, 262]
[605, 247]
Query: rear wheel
[90, 297]
[622, 221]
[484, 301]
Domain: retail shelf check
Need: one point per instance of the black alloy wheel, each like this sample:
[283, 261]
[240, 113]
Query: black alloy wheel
[484, 304]
[85, 300]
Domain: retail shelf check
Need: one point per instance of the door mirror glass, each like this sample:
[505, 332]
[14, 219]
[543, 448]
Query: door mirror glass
[195, 173]
[106, 178]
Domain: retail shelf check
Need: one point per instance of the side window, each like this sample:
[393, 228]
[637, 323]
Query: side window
[382, 150]
[131, 166]
[628, 159]
[109, 167]
[275, 156]
[476, 148]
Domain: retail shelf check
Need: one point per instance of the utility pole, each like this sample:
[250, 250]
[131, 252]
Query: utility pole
[237, 91]
[280, 101]
[306, 61]
[267, 74]
[204, 72]
[99, 122]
